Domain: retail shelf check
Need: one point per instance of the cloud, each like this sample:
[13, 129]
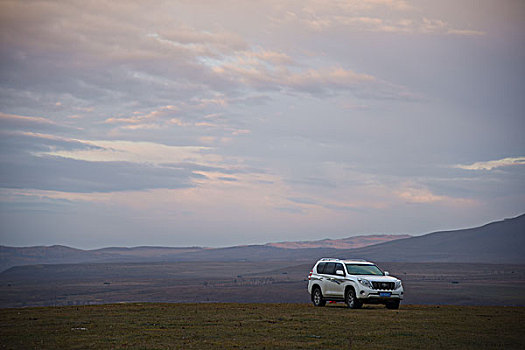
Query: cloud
[147, 70]
[31, 161]
[331, 205]
[14, 143]
[312, 181]
[369, 16]
[303, 201]
[138, 152]
[196, 113]
[71, 175]
[493, 164]
[227, 179]
[171, 54]
[210, 169]
[12, 201]
[91, 58]
[269, 71]
[417, 194]
[404, 25]
[200, 43]
[20, 122]
[276, 71]
[47, 162]
[465, 32]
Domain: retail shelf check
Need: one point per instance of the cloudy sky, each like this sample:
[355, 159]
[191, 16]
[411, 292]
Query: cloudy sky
[216, 123]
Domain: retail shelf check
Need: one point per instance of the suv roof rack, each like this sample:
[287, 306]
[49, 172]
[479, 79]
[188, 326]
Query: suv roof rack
[338, 259]
[355, 259]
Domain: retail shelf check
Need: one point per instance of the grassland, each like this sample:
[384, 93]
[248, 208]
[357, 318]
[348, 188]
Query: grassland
[261, 326]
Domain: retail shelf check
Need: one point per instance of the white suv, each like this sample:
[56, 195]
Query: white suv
[353, 281]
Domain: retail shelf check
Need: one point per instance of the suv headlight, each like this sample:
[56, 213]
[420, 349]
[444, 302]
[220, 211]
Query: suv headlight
[365, 283]
[398, 284]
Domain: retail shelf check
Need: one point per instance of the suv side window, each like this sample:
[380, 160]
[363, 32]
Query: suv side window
[339, 266]
[329, 269]
[320, 267]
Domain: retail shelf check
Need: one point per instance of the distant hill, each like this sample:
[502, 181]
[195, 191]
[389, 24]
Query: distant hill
[58, 254]
[497, 242]
[343, 243]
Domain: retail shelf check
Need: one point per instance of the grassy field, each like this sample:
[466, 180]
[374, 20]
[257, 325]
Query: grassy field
[261, 326]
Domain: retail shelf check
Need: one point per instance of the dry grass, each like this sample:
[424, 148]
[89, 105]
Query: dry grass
[260, 326]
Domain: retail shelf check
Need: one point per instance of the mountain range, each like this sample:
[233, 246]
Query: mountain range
[496, 242]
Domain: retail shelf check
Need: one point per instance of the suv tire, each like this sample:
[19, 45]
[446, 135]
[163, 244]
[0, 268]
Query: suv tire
[393, 305]
[317, 297]
[351, 300]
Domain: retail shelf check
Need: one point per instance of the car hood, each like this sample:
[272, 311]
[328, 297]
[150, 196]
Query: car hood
[379, 278]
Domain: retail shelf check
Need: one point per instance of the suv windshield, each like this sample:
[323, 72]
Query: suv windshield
[360, 269]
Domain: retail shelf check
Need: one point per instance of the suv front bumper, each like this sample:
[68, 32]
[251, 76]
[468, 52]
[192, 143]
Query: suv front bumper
[380, 295]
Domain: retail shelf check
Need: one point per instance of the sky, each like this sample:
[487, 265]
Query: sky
[217, 123]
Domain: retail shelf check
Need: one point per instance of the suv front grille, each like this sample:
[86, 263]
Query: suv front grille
[384, 285]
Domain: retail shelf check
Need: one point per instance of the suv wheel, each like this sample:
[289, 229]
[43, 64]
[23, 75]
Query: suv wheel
[317, 297]
[351, 300]
[394, 305]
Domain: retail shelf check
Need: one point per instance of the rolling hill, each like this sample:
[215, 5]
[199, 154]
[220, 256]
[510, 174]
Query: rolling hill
[58, 254]
[496, 242]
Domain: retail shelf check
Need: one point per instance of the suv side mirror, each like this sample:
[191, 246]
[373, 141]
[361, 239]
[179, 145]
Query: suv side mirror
[340, 272]
[387, 273]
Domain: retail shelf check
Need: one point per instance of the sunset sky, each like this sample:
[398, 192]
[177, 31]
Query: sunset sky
[216, 123]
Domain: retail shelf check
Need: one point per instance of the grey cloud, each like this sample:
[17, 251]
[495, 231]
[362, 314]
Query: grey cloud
[312, 181]
[502, 183]
[154, 64]
[324, 205]
[342, 208]
[252, 100]
[201, 42]
[69, 175]
[14, 143]
[303, 200]
[200, 167]
[317, 82]
[371, 16]
[138, 68]
[20, 168]
[34, 204]
[218, 169]
[20, 122]
[227, 178]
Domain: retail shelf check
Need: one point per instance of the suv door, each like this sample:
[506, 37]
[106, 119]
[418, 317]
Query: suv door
[338, 281]
[326, 272]
[333, 283]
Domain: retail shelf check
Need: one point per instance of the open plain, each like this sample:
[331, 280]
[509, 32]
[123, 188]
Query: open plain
[246, 282]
